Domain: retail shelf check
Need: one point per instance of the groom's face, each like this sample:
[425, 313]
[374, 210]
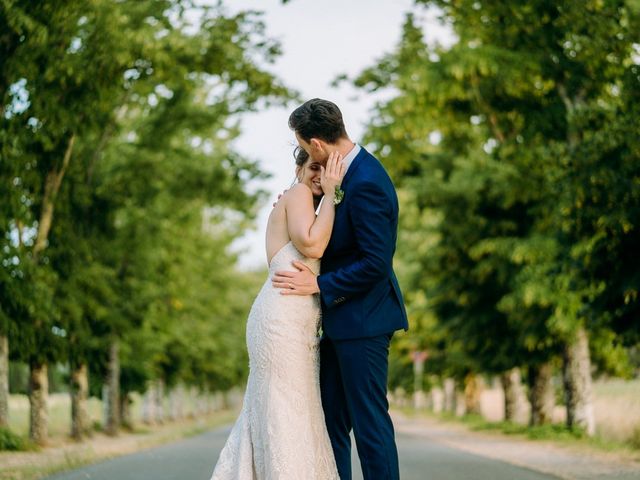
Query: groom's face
[317, 149]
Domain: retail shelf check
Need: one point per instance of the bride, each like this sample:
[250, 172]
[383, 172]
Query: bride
[281, 432]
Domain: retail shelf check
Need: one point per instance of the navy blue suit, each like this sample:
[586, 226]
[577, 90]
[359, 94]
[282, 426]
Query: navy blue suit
[361, 308]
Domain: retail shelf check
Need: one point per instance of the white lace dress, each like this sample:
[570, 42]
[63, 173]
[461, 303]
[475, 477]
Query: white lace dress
[281, 434]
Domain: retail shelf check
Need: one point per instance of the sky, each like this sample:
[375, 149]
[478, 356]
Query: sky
[320, 40]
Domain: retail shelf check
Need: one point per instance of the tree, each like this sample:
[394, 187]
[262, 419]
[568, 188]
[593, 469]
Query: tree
[498, 136]
[100, 99]
[434, 135]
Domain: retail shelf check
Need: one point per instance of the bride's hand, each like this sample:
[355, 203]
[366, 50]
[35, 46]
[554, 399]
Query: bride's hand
[279, 197]
[331, 175]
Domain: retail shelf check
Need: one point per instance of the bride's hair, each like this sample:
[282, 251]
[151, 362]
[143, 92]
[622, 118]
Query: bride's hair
[301, 156]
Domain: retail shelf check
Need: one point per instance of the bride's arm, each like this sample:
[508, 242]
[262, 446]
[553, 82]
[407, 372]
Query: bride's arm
[311, 234]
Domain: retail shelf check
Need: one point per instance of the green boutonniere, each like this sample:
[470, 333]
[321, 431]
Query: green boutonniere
[339, 195]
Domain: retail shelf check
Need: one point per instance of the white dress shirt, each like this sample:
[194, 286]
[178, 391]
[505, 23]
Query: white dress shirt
[347, 161]
[349, 157]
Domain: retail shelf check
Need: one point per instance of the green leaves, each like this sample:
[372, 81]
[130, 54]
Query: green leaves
[518, 171]
[152, 101]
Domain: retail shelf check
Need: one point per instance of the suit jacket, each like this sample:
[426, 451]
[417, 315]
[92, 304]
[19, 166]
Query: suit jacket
[358, 287]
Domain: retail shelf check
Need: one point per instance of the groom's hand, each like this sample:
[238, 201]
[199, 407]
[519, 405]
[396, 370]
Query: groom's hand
[301, 282]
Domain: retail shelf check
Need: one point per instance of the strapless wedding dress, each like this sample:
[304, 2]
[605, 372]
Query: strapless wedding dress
[281, 434]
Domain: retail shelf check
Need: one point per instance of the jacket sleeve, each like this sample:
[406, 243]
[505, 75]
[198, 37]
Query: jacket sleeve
[373, 216]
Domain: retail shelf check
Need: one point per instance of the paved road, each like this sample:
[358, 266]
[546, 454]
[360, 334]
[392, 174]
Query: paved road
[193, 459]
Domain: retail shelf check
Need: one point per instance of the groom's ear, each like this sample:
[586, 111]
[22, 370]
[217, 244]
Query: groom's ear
[316, 144]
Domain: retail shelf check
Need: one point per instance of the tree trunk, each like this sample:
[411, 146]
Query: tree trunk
[148, 403]
[472, 392]
[172, 411]
[159, 401]
[79, 395]
[175, 403]
[450, 403]
[4, 380]
[180, 402]
[437, 399]
[188, 402]
[113, 390]
[125, 410]
[511, 385]
[199, 404]
[541, 394]
[577, 384]
[38, 393]
[51, 188]
[219, 404]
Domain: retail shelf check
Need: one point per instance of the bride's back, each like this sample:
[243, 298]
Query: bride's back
[277, 233]
[278, 228]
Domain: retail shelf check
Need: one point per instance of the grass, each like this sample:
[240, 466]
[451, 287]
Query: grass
[542, 432]
[23, 460]
[617, 412]
[30, 472]
[550, 432]
[35, 465]
[10, 441]
[556, 433]
[59, 414]
[634, 440]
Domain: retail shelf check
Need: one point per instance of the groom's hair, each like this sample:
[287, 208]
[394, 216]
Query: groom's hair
[320, 119]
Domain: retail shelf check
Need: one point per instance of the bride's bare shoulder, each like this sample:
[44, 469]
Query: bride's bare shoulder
[297, 192]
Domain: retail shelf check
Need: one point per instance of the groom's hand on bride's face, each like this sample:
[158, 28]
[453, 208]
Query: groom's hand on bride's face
[301, 282]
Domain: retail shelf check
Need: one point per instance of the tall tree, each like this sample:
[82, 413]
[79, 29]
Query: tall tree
[500, 137]
[101, 99]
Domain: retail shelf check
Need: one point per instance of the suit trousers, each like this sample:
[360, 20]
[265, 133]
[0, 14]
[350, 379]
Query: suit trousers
[353, 383]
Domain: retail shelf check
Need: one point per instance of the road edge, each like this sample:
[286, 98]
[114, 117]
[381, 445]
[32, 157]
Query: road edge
[58, 459]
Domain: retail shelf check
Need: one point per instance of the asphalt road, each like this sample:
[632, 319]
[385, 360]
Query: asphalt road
[193, 459]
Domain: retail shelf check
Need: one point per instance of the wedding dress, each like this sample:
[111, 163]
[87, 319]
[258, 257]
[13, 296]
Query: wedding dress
[281, 434]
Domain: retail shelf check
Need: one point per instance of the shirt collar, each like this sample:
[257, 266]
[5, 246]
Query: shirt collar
[349, 157]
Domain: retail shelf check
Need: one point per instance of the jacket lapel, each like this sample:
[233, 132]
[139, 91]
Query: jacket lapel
[353, 167]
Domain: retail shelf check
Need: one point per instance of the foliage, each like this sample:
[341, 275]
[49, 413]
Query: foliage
[12, 441]
[123, 191]
[516, 157]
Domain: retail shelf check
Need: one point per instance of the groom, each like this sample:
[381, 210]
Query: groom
[361, 301]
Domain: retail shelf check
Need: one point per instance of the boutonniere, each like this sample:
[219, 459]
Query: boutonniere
[339, 195]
